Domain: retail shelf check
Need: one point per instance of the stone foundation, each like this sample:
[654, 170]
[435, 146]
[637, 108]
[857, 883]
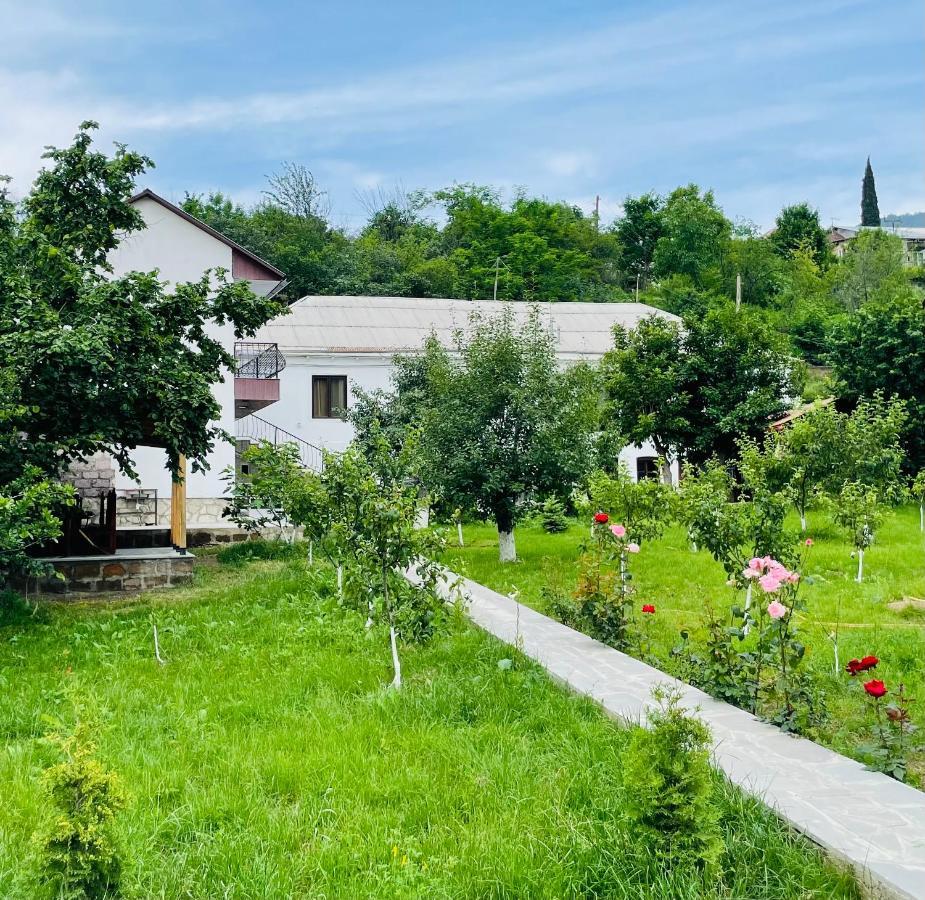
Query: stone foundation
[122, 572]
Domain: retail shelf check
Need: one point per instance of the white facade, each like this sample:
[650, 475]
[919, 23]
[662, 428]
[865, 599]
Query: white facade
[357, 337]
[182, 249]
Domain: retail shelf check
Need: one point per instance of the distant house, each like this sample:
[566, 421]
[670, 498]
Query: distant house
[913, 240]
[334, 345]
[181, 248]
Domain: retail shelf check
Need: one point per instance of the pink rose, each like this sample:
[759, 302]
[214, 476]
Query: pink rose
[632, 548]
[809, 542]
[769, 582]
[618, 530]
[776, 609]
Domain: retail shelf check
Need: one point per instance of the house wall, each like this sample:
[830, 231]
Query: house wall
[181, 252]
[369, 372]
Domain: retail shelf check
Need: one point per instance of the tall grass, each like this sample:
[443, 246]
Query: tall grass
[267, 759]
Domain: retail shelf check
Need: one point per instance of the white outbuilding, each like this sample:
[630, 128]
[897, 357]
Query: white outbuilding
[335, 345]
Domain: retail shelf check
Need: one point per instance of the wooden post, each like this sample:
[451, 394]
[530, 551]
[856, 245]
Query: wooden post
[738, 292]
[178, 507]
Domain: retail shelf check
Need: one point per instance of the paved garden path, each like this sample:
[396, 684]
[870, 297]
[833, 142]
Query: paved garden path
[868, 820]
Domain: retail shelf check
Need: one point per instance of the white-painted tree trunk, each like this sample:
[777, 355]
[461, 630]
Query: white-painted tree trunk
[860, 577]
[748, 606]
[459, 534]
[340, 583]
[835, 648]
[396, 662]
[802, 520]
[666, 472]
[311, 553]
[922, 517]
[506, 549]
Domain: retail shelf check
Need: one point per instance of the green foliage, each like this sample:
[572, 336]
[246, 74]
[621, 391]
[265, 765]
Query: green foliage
[797, 228]
[243, 552]
[872, 267]
[258, 499]
[881, 348]
[638, 231]
[694, 236]
[80, 857]
[62, 318]
[551, 513]
[666, 773]
[859, 512]
[695, 392]
[870, 209]
[500, 421]
[645, 507]
[893, 735]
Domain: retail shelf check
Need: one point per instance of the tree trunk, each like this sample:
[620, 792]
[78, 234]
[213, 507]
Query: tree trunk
[507, 551]
[666, 470]
[396, 662]
[860, 577]
[504, 519]
[802, 520]
[748, 606]
[459, 533]
[340, 583]
[921, 517]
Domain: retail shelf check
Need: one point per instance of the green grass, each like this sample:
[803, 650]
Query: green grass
[267, 759]
[681, 583]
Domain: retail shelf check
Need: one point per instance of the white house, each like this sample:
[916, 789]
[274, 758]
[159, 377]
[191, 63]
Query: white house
[840, 237]
[181, 248]
[333, 345]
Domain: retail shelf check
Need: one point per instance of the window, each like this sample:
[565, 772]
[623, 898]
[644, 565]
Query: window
[329, 396]
[647, 467]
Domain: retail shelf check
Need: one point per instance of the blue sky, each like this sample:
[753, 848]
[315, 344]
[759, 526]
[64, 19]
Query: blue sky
[767, 103]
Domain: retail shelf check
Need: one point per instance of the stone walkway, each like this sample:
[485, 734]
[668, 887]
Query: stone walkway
[865, 819]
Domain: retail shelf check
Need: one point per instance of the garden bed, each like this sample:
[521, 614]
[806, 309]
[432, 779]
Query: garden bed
[680, 584]
[266, 758]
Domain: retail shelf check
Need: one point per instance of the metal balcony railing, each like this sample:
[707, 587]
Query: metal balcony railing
[258, 360]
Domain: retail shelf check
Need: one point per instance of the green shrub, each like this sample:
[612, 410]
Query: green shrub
[79, 855]
[669, 786]
[552, 516]
[247, 551]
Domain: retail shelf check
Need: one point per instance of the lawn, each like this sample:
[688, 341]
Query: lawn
[680, 583]
[267, 759]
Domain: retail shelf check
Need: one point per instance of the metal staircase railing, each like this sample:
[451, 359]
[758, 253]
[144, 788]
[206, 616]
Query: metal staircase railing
[253, 429]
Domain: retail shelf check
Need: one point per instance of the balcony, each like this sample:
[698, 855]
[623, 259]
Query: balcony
[256, 376]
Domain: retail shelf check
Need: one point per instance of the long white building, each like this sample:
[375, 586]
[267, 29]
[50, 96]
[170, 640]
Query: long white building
[334, 345]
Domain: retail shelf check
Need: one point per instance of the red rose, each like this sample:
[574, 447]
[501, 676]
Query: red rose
[648, 608]
[853, 667]
[869, 662]
[875, 688]
[601, 518]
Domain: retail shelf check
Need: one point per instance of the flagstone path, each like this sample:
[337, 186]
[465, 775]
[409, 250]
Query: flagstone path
[861, 818]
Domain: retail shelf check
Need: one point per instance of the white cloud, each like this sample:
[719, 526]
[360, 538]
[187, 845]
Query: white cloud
[570, 163]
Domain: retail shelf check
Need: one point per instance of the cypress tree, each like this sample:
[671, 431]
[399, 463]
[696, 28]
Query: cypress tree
[870, 211]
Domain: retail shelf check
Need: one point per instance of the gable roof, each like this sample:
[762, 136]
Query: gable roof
[388, 325]
[252, 258]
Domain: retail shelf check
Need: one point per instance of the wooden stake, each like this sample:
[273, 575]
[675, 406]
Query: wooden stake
[738, 292]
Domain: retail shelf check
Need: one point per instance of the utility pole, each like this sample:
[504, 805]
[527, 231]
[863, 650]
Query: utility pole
[637, 287]
[597, 212]
[738, 292]
[498, 264]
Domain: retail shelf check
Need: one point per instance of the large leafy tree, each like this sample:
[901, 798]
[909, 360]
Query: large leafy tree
[695, 390]
[695, 236]
[638, 232]
[880, 348]
[103, 363]
[644, 382]
[871, 266]
[798, 227]
[502, 422]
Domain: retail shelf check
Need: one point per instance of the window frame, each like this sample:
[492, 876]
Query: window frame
[651, 464]
[329, 381]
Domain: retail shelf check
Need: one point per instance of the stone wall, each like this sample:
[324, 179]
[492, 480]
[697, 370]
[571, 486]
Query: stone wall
[199, 511]
[93, 476]
[114, 574]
